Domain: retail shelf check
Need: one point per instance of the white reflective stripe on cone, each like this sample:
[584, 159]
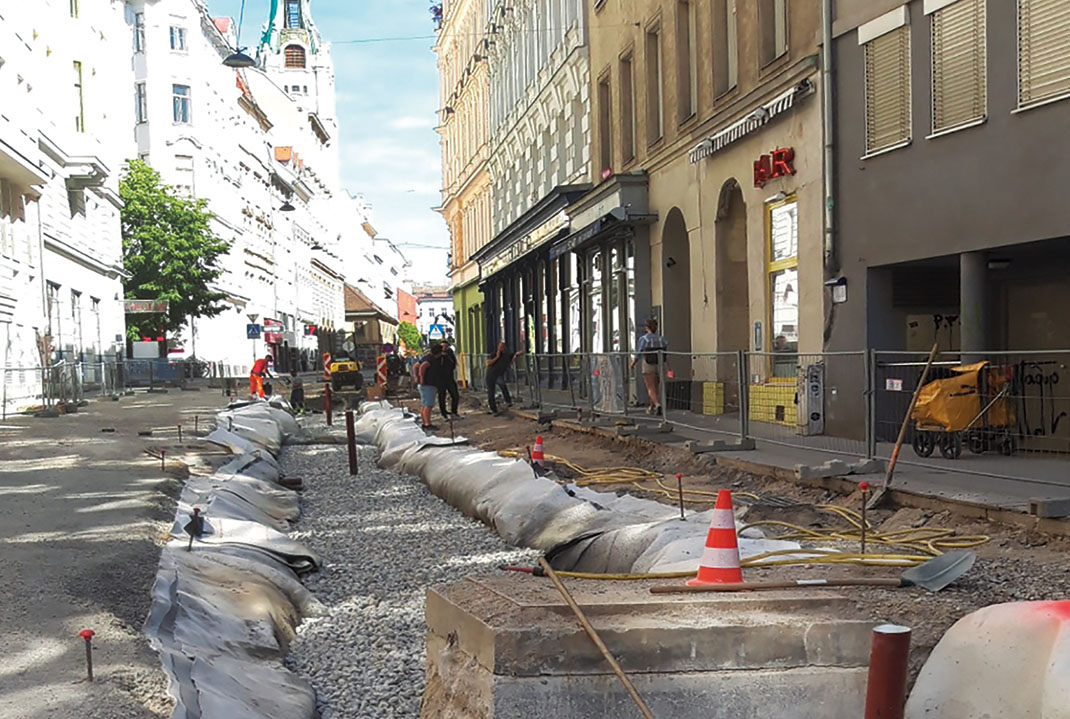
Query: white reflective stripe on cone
[723, 519]
[720, 558]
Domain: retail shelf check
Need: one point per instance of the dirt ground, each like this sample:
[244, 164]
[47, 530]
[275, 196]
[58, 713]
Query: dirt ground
[82, 513]
[1013, 565]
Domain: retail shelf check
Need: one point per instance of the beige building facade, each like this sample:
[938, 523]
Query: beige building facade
[717, 104]
[465, 132]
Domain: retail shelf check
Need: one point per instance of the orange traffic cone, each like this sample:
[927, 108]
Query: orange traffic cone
[720, 560]
[537, 457]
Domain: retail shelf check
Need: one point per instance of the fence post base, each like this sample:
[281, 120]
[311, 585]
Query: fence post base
[720, 445]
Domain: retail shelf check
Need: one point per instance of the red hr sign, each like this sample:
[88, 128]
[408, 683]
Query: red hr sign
[780, 163]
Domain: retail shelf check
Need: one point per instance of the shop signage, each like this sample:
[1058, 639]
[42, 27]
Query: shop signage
[778, 163]
[273, 331]
[146, 307]
[525, 244]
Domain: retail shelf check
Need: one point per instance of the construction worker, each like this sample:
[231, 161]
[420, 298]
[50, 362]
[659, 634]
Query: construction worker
[256, 376]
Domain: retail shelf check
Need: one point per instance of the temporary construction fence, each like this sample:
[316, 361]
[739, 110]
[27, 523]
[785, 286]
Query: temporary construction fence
[990, 404]
[66, 382]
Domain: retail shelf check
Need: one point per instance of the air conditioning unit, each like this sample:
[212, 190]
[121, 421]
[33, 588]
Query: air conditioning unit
[810, 395]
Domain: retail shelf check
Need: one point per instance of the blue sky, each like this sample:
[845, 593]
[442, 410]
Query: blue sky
[387, 98]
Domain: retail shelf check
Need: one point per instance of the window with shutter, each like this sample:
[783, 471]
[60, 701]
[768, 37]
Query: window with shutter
[960, 95]
[1043, 59]
[888, 90]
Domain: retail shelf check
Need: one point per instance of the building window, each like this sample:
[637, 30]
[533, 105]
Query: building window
[1043, 61]
[627, 111]
[178, 39]
[181, 97]
[605, 127]
[139, 32]
[79, 99]
[773, 29]
[184, 175]
[293, 14]
[959, 65]
[725, 47]
[782, 227]
[75, 8]
[295, 57]
[141, 105]
[654, 99]
[888, 107]
[686, 72]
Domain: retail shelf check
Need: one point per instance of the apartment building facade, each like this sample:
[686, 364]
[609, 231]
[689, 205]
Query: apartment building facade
[462, 49]
[62, 145]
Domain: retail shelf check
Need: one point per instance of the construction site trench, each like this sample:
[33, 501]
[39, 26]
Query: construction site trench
[384, 595]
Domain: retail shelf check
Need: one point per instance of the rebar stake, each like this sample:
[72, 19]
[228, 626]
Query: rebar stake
[87, 635]
[680, 489]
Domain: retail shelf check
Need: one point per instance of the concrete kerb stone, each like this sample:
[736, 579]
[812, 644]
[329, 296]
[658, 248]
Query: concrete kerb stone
[838, 468]
[720, 445]
[1050, 508]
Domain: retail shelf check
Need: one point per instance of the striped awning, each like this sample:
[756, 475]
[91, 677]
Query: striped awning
[753, 120]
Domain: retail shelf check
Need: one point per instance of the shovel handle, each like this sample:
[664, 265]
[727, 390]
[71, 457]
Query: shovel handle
[763, 586]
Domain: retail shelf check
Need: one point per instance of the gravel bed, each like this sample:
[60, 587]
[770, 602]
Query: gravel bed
[383, 539]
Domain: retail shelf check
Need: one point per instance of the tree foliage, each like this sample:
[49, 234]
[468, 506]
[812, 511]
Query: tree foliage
[169, 250]
[408, 334]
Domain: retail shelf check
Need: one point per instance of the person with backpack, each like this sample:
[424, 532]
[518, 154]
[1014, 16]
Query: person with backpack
[651, 352]
[427, 372]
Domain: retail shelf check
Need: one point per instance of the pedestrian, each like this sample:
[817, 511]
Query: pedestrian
[497, 368]
[651, 352]
[448, 382]
[256, 376]
[427, 370]
[297, 391]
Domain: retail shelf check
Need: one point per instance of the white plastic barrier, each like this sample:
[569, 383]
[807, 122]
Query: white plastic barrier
[224, 613]
[579, 529]
[1007, 661]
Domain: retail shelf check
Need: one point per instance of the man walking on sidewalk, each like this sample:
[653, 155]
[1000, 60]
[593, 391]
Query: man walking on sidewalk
[497, 369]
[448, 382]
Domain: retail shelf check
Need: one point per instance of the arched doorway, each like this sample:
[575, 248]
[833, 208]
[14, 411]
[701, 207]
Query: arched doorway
[733, 293]
[676, 282]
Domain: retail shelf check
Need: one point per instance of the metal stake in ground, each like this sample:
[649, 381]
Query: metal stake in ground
[163, 460]
[327, 405]
[680, 489]
[864, 486]
[351, 442]
[87, 635]
[179, 433]
[878, 497]
[643, 708]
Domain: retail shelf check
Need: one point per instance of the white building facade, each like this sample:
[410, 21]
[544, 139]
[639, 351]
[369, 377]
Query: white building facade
[252, 146]
[373, 264]
[434, 306]
[64, 71]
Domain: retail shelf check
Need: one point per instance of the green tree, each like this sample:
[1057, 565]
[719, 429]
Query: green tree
[169, 250]
[408, 334]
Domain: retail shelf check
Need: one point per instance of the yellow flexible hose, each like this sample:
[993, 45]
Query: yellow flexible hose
[918, 544]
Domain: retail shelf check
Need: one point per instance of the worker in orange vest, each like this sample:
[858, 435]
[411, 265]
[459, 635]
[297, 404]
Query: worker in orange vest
[256, 376]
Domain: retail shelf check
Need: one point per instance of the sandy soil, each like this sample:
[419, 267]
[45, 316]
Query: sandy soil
[81, 515]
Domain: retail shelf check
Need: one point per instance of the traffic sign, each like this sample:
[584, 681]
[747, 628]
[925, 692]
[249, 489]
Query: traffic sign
[252, 317]
[252, 332]
[437, 332]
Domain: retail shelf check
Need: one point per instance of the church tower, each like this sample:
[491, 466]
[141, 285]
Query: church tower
[292, 53]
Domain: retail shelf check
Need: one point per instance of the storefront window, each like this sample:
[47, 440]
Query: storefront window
[531, 309]
[555, 298]
[542, 307]
[615, 306]
[630, 279]
[575, 315]
[782, 222]
[595, 303]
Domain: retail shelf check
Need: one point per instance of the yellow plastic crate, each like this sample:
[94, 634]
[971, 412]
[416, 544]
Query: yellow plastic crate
[773, 402]
[712, 398]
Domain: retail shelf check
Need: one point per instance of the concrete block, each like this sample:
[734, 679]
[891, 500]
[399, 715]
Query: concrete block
[720, 445]
[1049, 508]
[509, 647]
[838, 468]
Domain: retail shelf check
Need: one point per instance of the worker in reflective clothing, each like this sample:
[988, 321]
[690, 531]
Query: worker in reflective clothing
[256, 377]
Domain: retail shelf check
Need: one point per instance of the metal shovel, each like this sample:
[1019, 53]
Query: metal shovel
[933, 575]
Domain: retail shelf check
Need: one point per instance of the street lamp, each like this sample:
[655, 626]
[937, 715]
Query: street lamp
[239, 59]
[286, 206]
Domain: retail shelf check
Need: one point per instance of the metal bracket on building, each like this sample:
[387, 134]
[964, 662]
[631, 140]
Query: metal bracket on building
[720, 445]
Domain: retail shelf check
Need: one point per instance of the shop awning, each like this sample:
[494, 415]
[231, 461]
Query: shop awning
[753, 120]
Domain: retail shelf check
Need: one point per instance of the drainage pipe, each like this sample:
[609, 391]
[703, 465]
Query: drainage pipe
[887, 685]
[828, 96]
